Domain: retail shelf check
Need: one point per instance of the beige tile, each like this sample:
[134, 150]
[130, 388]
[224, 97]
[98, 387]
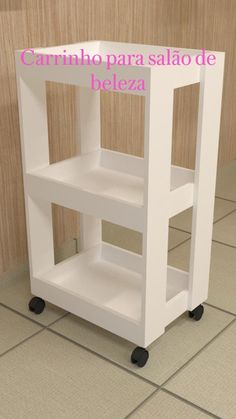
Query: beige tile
[14, 329]
[49, 377]
[184, 219]
[225, 230]
[165, 406]
[179, 257]
[226, 181]
[210, 379]
[222, 288]
[176, 237]
[168, 353]
[132, 240]
[15, 293]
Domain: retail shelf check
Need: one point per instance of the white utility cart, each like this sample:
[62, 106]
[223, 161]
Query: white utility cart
[133, 296]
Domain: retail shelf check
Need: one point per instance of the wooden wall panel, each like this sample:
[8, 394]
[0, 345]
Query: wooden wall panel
[207, 24]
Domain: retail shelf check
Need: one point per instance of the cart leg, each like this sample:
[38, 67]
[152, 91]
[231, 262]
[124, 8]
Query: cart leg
[205, 178]
[88, 140]
[158, 118]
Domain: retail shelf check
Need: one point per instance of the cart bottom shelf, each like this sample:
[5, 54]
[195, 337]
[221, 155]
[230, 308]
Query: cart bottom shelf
[105, 282]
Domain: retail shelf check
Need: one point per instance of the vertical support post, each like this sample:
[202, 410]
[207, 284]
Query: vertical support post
[211, 84]
[157, 157]
[89, 136]
[35, 153]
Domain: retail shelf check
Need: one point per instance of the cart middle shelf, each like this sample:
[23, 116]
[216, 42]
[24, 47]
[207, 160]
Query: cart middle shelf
[107, 184]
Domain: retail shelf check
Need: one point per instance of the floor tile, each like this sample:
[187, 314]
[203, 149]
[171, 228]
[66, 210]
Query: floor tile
[14, 329]
[132, 240]
[165, 406]
[222, 290]
[176, 237]
[225, 230]
[15, 293]
[183, 221]
[210, 379]
[222, 287]
[226, 181]
[179, 257]
[168, 353]
[50, 377]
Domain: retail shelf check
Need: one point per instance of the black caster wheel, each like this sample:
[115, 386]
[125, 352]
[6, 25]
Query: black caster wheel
[139, 356]
[36, 305]
[197, 313]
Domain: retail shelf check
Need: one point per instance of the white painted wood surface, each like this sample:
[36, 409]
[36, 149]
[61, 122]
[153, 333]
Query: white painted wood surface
[89, 138]
[211, 85]
[133, 296]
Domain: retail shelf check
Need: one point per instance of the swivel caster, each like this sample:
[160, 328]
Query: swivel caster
[36, 305]
[197, 313]
[139, 356]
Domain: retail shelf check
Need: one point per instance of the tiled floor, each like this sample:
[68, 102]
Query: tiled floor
[56, 365]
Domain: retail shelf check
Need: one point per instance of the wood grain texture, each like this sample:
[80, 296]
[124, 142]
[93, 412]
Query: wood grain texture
[206, 24]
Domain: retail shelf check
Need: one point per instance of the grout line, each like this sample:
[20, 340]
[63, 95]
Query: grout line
[224, 244]
[43, 328]
[21, 342]
[29, 318]
[220, 309]
[143, 402]
[213, 240]
[198, 353]
[21, 314]
[137, 376]
[103, 357]
[126, 369]
[224, 216]
[224, 199]
[90, 350]
[180, 229]
[214, 222]
[176, 396]
[55, 321]
[162, 387]
[158, 387]
[179, 244]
